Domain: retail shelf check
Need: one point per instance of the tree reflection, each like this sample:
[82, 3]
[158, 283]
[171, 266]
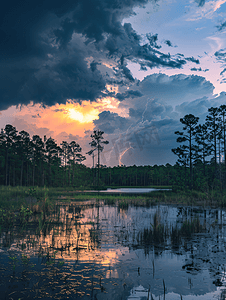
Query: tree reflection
[88, 243]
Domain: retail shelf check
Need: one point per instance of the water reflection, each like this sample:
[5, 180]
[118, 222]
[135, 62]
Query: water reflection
[132, 190]
[96, 251]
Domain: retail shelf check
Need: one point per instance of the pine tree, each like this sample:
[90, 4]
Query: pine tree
[97, 144]
[187, 136]
[212, 122]
[204, 149]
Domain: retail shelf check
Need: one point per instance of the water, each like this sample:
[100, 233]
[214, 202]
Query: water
[133, 190]
[90, 251]
[129, 190]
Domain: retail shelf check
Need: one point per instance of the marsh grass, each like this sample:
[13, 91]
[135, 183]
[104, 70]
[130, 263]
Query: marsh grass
[161, 235]
[110, 200]
[156, 234]
[19, 204]
[123, 204]
[42, 199]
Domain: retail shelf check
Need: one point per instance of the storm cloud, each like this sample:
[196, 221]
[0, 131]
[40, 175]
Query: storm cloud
[175, 89]
[52, 51]
[146, 134]
[109, 122]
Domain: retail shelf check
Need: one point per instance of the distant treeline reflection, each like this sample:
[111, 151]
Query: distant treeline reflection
[63, 230]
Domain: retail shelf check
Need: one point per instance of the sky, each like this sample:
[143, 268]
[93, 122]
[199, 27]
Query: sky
[131, 68]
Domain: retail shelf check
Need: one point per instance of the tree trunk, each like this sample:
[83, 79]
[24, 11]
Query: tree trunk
[33, 183]
[6, 168]
[21, 173]
[190, 159]
[14, 175]
[98, 165]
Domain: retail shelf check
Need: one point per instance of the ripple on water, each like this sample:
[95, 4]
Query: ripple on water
[94, 252]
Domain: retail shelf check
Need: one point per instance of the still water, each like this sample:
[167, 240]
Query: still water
[128, 190]
[132, 190]
[96, 251]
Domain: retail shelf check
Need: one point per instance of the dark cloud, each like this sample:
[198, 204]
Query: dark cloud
[146, 135]
[195, 69]
[223, 71]
[222, 26]
[199, 69]
[150, 111]
[52, 51]
[23, 23]
[69, 78]
[109, 122]
[44, 47]
[40, 60]
[168, 43]
[128, 94]
[177, 88]
[200, 2]
[221, 57]
[197, 107]
[140, 139]
[153, 58]
[163, 123]
[126, 72]
[128, 46]
[221, 54]
[36, 116]
[152, 38]
[59, 109]
[192, 59]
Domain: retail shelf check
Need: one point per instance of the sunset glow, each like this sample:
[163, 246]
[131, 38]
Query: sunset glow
[61, 119]
[147, 68]
[83, 114]
[113, 149]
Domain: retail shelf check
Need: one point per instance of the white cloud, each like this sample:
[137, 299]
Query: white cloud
[206, 11]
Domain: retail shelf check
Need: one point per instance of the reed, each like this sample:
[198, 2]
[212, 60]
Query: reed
[13, 198]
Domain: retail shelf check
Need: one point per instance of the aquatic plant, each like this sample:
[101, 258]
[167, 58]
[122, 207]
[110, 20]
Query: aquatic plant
[123, 204]
[25, 213]
[14, 261]
[110, 200]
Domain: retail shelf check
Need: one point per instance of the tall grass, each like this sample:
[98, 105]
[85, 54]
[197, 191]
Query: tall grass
[13, 197]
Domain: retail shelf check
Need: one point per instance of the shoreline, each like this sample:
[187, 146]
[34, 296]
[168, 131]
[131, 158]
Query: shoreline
[12, 198]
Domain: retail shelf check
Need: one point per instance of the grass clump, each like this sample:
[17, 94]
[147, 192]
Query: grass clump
[123, 204]
[110, 200]
[40, 199]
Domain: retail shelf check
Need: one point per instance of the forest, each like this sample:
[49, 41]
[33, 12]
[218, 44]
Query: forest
[202, 151]
[33, 161]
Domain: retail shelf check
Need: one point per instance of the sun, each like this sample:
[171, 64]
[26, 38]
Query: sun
[82, 114]
[76, 115]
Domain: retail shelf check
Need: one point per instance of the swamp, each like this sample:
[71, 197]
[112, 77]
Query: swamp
[98, 248]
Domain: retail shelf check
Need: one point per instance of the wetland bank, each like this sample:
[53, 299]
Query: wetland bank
[79, 246]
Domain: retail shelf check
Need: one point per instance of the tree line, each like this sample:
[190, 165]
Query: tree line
[33, 161]
[202, 150]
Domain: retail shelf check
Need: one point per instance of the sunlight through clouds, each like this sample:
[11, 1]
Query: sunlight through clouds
[60, 118]
[98, 72]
